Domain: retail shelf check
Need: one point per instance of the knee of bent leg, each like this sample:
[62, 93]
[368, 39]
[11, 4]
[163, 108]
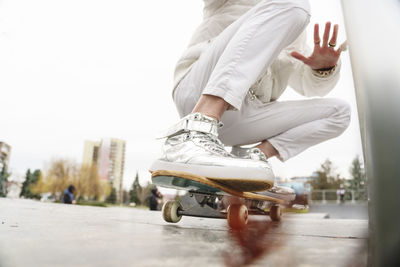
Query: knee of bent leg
[342, 113]
[301, 4]
[297, 11]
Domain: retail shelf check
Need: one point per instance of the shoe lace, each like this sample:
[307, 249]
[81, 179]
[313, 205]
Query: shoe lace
[211, 142]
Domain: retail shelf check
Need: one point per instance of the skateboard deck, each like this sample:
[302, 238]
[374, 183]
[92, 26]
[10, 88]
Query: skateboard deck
[206, 195]
[186, 181]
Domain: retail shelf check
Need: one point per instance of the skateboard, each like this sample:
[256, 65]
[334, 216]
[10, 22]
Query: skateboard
[208, 198]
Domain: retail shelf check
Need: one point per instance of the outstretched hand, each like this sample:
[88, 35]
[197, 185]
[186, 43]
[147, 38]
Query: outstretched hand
[325, 56]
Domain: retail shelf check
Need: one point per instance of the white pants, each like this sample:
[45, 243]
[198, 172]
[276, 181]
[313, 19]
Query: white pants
[236, 59]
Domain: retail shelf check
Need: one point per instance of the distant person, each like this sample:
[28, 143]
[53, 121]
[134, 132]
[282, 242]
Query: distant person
[340, 193]
[68, 197]
[155, 199]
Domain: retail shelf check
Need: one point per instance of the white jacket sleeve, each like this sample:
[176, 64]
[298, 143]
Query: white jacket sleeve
[303, 79]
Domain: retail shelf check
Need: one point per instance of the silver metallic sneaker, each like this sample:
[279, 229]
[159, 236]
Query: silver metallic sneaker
[282, 192]
[192, 147]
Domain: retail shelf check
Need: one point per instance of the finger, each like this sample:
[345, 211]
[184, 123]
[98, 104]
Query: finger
[339, 50]
[343, 47]
[317, 40]
[326, 34]
[334, 35]
[300, 57]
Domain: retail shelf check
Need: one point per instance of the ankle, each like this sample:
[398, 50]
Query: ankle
[212, 106]
[268, 149]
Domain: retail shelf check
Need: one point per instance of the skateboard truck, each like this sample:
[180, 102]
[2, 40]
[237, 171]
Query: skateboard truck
[205, 198]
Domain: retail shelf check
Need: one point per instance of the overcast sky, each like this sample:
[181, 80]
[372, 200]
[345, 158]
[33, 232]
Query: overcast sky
[89, 69]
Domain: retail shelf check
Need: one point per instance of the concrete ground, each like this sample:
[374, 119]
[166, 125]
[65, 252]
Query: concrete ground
[346, 210]
[46, 234]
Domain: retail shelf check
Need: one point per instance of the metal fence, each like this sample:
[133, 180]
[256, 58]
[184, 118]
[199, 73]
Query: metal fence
[325, 196]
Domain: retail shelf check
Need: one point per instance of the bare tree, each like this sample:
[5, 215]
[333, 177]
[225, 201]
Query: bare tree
[90, 184]
[61, 173]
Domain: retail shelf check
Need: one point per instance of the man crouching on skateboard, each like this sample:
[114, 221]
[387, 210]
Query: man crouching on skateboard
[238, 63]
